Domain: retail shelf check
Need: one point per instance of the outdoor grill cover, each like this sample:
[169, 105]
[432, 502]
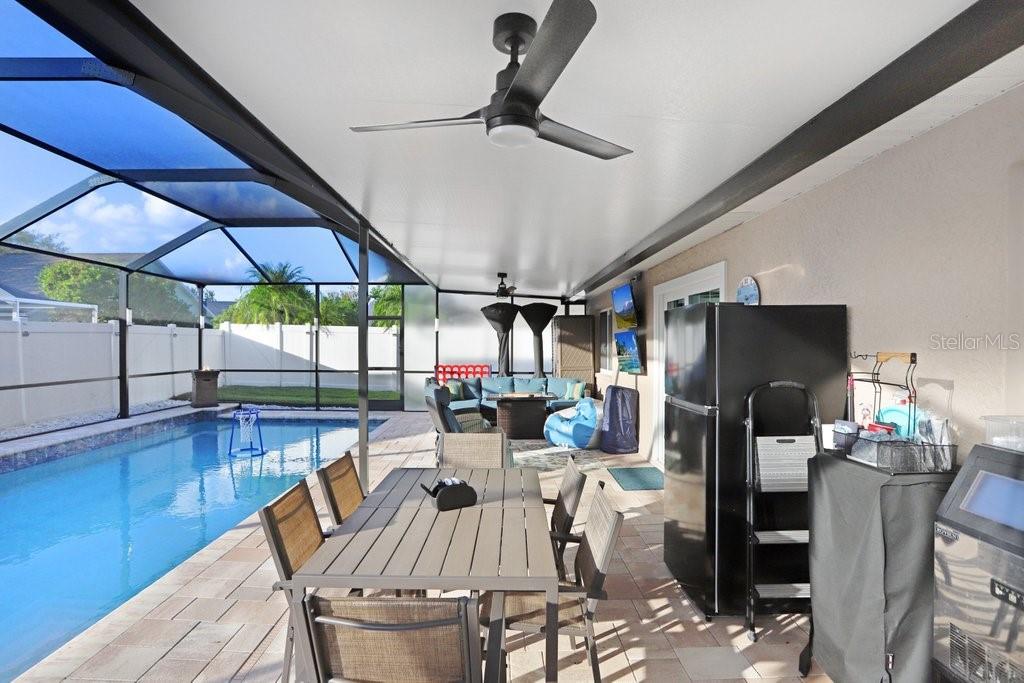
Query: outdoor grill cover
[871, 559]
[619, 424]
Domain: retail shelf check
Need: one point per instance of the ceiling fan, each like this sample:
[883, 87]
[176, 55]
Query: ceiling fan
[504, 291]
[513, 117]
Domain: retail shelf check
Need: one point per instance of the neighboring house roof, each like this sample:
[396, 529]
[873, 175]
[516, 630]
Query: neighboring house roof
[19, 274]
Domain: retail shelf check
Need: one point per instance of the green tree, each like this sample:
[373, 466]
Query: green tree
[157, 300]
[339, 308]
[285, 301]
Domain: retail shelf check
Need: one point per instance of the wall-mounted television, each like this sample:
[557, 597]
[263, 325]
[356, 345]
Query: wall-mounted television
[624, 308]
[627, 348]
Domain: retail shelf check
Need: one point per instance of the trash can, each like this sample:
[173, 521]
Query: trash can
[204, 388]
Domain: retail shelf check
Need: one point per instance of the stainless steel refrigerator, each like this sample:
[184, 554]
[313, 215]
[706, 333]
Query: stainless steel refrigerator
[714, 355]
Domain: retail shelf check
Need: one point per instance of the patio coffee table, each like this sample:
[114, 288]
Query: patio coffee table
[396, 539]
[522, 415]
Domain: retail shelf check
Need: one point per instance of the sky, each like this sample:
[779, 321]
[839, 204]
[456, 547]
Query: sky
[115, 128]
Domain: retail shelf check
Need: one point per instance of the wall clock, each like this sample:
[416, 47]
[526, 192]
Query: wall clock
[748, 293]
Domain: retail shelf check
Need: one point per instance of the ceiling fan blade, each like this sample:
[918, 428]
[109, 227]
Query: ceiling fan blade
[562, 32]
[472, 117]
[560, 134]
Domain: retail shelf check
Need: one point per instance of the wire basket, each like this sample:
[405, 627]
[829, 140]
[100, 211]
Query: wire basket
[904, 457]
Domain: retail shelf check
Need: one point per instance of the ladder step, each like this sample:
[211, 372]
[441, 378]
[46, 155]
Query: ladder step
[781, 591]
[783, 536]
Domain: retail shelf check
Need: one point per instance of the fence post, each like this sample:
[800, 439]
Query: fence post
[172, 331]
[112, 324]
[23, 393]
[280, 354]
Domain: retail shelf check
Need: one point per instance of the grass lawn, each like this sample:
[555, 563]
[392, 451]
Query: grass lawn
[296, 396]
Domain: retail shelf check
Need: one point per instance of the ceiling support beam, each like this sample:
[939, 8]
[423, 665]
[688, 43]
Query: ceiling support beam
[981, 34]
[167, 247]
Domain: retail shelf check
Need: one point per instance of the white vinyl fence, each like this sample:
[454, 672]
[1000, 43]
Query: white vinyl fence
[37, 352]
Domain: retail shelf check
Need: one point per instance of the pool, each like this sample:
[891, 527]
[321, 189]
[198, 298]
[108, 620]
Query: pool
[84, 533]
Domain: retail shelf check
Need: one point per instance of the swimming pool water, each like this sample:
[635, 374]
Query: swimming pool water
[83, 534]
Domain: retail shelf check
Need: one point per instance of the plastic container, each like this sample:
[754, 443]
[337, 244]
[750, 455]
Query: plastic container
[899, 456]
[1005, 431]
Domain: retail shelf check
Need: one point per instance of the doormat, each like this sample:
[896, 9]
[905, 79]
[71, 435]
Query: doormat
[638, 478]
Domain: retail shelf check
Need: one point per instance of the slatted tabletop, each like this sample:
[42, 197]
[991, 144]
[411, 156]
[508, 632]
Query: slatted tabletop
[396, 539]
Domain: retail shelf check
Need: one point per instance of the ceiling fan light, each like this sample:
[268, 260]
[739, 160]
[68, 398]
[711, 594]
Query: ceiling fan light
[511, 135]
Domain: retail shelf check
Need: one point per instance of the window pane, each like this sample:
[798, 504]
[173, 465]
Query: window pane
[159, 301]
[108, 125]
[604, 340]
[339, 389]
[420, 338]
[114, 224]
[382, 268]
[464, 335]
[26, 35]
[47, 408]
[208, 258]
[314, 250]
[385, 300]
[415, 399]
[30, 175]
[294, 390]
[47, 288]
[233, 201]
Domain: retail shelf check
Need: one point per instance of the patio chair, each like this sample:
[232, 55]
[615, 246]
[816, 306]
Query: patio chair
[293, 535]
[526, 612]
[339, 482]
[485, 446]
[570, 490]
[395, 639]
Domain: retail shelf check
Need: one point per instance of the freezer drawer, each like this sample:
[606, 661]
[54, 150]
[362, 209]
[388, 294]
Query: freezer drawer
[690, 435]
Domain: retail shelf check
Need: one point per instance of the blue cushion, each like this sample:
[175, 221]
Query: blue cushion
[533, 385]
[576, 431]
[495, 385]
[558, 385]
[459, 406]
[489, 403]
[560, 404]
[471, 388]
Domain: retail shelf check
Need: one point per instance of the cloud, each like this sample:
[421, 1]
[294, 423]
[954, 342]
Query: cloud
[97, 209]
[164, 213]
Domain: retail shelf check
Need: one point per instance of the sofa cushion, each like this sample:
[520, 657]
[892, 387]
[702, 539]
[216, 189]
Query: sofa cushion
[533, 385]
[471, 388]
[489, 403]
[560, 404]
[491, 386]
[467, 405]
[558, 386]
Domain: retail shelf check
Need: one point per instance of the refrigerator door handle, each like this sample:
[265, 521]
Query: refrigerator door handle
[691, 407]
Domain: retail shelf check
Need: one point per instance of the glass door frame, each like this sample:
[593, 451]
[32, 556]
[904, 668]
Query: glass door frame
[697, 282]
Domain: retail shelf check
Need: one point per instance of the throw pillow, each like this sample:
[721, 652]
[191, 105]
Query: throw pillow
[578, 390]
[455, 386]
[570, 390]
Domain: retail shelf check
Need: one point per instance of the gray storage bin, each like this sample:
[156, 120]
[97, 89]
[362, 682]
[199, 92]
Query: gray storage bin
[900, 456]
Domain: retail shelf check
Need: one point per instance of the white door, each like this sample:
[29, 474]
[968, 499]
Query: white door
[704, 285]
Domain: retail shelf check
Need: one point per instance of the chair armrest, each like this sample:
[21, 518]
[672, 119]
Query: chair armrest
[565, 538]
[550, 501]
[281, 585]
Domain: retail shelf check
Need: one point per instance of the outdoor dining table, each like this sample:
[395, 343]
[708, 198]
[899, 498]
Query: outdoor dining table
[396, 539]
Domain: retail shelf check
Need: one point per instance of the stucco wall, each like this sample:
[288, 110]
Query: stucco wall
[923, 240]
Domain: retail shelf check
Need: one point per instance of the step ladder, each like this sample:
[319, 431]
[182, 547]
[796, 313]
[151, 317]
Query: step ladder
[776, 464]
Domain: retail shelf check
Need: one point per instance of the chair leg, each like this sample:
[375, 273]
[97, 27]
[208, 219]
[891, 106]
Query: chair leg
[289, 647]
[592, 651]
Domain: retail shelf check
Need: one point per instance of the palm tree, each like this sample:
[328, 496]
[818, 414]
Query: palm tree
[281, 300]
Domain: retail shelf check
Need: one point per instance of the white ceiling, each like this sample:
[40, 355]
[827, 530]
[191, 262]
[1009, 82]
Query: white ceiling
[698, 89]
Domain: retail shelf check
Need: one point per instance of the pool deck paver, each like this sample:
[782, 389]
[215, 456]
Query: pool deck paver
[214, 617]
